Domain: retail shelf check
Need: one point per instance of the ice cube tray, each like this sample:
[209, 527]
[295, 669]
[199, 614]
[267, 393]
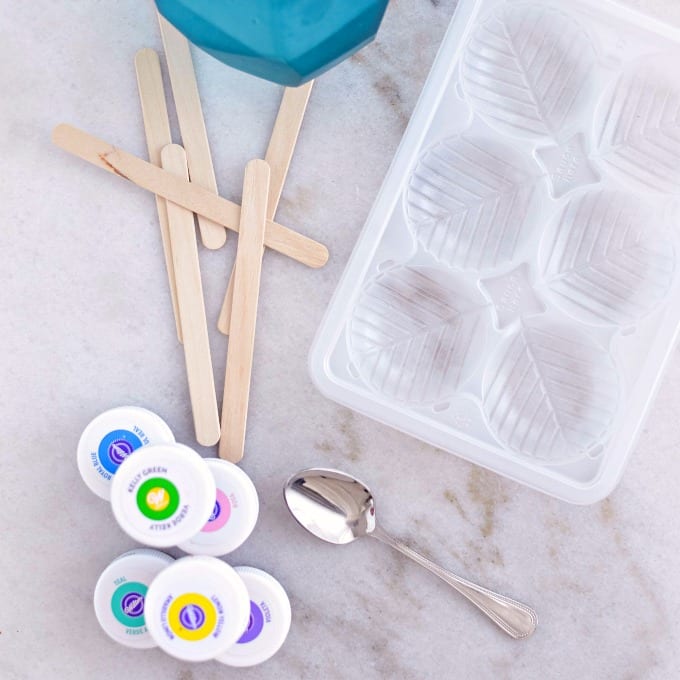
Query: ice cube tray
[513, 297]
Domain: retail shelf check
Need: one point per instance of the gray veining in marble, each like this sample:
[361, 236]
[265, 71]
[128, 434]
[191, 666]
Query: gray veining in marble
[86, 324]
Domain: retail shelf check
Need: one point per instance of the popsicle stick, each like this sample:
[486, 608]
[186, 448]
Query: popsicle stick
[279, 155]
[187, 194]
[192, 307]
[283, 140]
[191, 123]
[248, 267]
[157, 129]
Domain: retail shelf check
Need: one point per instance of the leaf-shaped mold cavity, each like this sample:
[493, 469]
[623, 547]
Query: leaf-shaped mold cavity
[470, 202]
[606, 258]
[526, 70]
[637, 127]
[550, 395]
[413, 337]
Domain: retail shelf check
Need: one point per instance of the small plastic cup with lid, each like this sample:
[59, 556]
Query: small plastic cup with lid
[111, 437]
[234, 514]
[197, 608]
[269, 621]
[163, 495]
[120, 594]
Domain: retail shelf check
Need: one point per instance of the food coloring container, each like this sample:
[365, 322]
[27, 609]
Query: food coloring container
[120, 593]
[163, 495]
[513, 297]
[234, 513]
[111, 437]
[197, 608]
[269, 621]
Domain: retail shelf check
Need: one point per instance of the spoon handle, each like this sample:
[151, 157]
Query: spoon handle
[516, 619]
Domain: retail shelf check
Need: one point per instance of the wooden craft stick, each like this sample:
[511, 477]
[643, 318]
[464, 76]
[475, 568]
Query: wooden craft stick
[187, 194]
[279, 155]
[248, 267]
[157, 129]
[192, 307]
[283, 140]
[191, 123]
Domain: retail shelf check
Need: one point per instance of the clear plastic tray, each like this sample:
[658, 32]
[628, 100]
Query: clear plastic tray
[513, 297]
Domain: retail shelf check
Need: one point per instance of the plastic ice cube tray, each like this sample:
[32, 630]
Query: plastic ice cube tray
[514, 295]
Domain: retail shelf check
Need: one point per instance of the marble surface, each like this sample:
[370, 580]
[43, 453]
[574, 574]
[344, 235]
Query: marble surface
[86, 324]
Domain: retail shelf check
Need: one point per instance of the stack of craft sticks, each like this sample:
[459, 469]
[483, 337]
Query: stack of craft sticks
[183, 179]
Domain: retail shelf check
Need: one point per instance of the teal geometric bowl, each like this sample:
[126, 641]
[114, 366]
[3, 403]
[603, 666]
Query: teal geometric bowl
[285, 41]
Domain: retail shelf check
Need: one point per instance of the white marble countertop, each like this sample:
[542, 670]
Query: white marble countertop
[86, 324]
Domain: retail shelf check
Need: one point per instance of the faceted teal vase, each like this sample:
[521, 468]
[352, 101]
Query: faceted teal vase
[285, 41]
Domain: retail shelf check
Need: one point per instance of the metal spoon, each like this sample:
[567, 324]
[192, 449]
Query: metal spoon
[339, 509]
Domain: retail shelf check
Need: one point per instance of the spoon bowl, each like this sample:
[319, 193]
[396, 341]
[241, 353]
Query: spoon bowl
[331, 505]
[338, 508]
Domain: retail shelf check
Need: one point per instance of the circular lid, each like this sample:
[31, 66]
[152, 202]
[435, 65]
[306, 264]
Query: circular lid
[119, 596]
[269, 620]
[163, 495]
[197, 608]
[111, 437]
[234, 513]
